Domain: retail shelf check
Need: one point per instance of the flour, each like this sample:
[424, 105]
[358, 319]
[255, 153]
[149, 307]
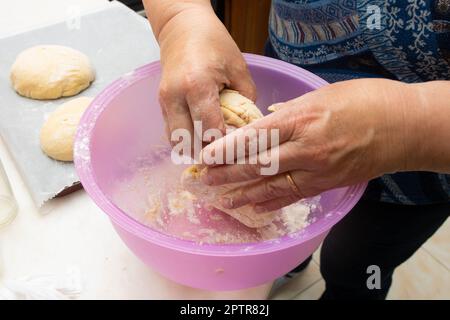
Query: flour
[295, 217]
[180, 202]
[155, 197]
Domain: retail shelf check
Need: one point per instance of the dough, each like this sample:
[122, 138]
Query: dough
[51, 72]
[238, 111]
[58, 132]
[245, 214]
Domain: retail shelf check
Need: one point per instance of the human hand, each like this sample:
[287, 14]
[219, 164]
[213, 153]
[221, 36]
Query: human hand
[199, 59]
[338, 135]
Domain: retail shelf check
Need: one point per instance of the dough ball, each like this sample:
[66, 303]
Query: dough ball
[238, 110]
[51, 72]
[58, 132]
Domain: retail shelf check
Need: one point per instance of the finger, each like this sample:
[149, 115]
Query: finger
[245, 86]
[275, 204]
[176, 113]
[290, 103]
[276, 106]
[204, 108]
[307, 183]
[261, 191]
[166, 124]
[244, 169]
[271, 189]
[280, 159]
[264, 133]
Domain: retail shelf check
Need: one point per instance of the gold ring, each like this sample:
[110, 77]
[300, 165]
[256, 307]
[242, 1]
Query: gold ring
[292, 184]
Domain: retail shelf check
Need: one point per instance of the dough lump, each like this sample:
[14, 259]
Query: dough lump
[51, 72]
[237, 110]
[58, 132]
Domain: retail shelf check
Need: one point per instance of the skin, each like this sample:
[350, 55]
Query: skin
[199, 58]
[341, 134]
[345, 133]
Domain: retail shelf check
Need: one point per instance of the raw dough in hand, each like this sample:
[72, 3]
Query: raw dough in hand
[238, 111]
[245, 214]
[51, 72]
[58, 132]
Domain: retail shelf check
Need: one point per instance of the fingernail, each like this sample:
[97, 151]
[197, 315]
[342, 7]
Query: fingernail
[238, 197]
[227, 203]
[273, 107]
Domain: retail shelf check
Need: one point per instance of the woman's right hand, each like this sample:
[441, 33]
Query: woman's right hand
[199, 58]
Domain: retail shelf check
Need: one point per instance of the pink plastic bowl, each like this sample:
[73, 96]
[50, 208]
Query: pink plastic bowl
[124, 122]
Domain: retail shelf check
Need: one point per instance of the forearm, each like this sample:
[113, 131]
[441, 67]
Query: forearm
[431, 126]
[161, 13]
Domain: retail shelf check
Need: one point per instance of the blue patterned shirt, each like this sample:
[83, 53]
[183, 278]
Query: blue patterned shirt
[407, 40]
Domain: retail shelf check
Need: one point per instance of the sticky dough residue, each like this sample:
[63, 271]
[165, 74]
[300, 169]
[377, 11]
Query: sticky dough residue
[155, 197]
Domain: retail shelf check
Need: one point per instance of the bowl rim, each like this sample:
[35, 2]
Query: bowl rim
[83, 166]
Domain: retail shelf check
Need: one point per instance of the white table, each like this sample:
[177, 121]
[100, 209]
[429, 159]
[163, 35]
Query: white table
[71, 233]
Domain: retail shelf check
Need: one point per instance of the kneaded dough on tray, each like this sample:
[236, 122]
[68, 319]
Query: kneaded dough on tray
[58, 132]
[51, 72]
[238, 111]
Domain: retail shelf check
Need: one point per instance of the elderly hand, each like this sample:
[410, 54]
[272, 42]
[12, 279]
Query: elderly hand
[199, 58]
[338, 135]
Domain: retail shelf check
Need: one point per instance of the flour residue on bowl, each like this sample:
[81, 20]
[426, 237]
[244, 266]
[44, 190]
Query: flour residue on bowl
[154, 196]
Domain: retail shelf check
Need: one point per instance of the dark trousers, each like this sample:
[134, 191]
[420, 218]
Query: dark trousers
[374, 233]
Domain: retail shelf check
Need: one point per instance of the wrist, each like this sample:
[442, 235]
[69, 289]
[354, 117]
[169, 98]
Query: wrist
[400, 126]
[432, 128]
[161, 13]
[192, 30]
[423, 120]
[191, 19]
[411, 121]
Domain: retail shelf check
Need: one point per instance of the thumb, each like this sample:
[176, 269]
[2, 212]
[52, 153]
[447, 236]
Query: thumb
[245, 86]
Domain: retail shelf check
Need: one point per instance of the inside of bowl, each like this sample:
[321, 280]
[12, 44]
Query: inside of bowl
[128, 142]
[273, 87]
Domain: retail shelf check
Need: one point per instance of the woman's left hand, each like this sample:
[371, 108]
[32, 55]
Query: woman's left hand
[341, 134]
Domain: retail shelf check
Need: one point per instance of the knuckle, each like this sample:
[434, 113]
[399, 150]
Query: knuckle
[163, 93]
[223, 177]
[313, 189]
[253, 171]
[191, 79]
[240, 66]
[187, 83]
[270, 190]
